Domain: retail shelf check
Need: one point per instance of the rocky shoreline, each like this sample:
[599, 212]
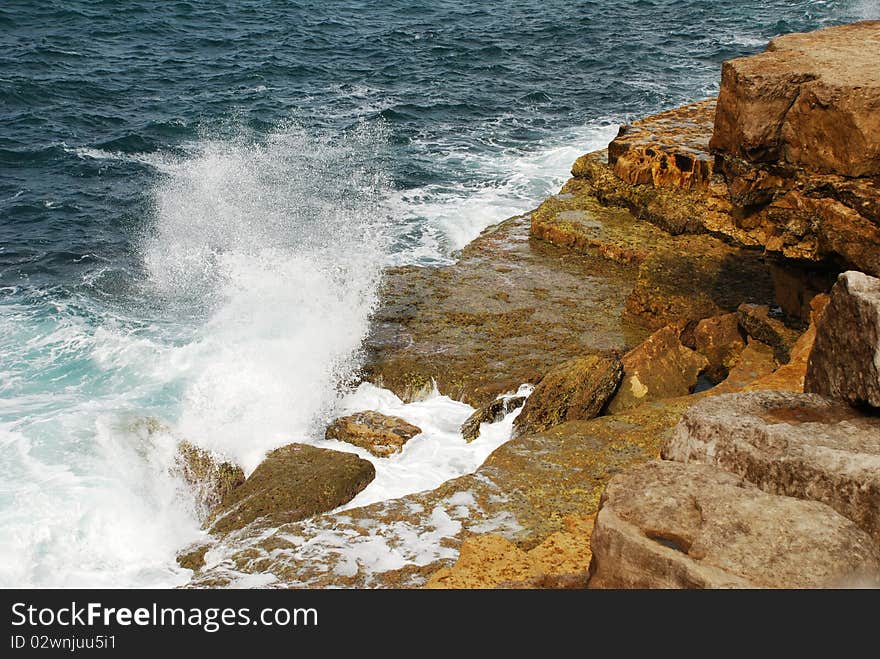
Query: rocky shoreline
[677, 298]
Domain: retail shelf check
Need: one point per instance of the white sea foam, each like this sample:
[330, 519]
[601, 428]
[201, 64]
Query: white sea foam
[504, 183]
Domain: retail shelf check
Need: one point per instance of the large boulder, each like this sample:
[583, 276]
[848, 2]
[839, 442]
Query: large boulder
[810, 100]
[492, 561]
[380, 434]
[576, 389]
[673, 525]
[293, 482]
[661, 367]
[797, 445]
[210, 476]
[845, 361]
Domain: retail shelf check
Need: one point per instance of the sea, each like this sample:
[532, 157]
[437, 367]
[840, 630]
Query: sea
[198, 200]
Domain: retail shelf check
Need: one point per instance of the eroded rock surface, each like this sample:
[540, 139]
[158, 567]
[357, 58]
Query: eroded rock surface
[673, 525]
[811, 100]
[380, 434]
[483, 326]
[797, 445]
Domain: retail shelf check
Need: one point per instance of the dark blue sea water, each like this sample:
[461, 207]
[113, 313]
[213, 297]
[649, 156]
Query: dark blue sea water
[197, 199]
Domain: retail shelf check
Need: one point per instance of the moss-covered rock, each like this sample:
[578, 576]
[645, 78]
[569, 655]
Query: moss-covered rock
[576, 389]
[293, 482]
[210, 476]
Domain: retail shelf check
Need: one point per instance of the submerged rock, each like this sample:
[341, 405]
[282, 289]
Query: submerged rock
[573, 390]
[492, 561]
[845, 360]
[661, 367]
[483, 326]
[293, 482]
[380, 434]
[797, 445]
[211, 477]
[491, 413]
[672, 525]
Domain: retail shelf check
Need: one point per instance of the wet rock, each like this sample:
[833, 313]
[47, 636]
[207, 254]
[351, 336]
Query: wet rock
[797, 445]
[491, 413]
[673, 525]
[380, 434]
[810, 100]
[719, 340]
[481, 327]
[193, 557]
[492, 561]
[661, 367]
[573, 390]
[757, 321]
[845, 360]
[293, 482]
[210, 476]
[400, 543]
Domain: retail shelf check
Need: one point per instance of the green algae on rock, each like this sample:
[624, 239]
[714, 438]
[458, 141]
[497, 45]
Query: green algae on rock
[510, 308]
[293, 482]
[576, 389]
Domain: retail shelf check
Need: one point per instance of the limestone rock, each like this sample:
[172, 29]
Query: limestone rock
[791, 376]
[666, 150]
[525, 491]
[578, 222]
[661, 367]
[845, 361]
[719, 340]
[757, 321]
[797, 445]
[210, 476]
[293, 482]
[491, 413]
[673, 525]
[492, 561]
[481, 327]
[754, 363]
[380, 434]
[810, 100]
[573, 390]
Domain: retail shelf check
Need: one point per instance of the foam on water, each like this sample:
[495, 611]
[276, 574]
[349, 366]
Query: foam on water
[504, 182]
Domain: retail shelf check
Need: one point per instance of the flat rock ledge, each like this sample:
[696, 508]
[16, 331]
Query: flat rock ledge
[797, 445]
[674, 525]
